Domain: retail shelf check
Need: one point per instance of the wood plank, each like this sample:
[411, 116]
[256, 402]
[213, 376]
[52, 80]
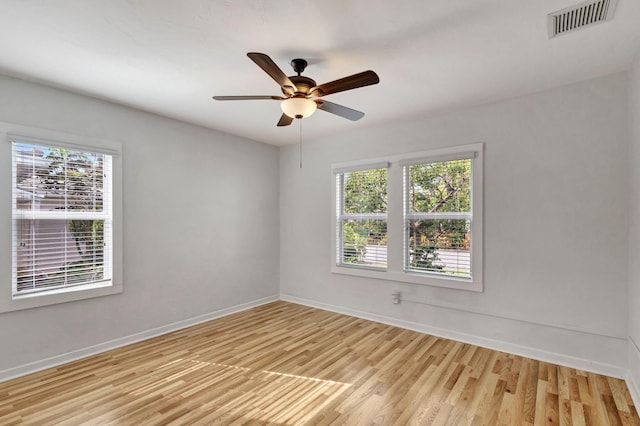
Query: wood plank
[577, 414]
[541, 406]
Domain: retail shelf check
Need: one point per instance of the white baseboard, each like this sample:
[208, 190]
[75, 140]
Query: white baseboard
[633, 374]
[54, 361]
[526, 351]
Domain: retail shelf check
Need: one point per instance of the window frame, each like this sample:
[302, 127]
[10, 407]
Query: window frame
[396, 224]
[10, 300]
[407, 215]
[341, 216]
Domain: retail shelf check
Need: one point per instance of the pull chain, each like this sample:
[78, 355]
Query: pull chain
[300, 144]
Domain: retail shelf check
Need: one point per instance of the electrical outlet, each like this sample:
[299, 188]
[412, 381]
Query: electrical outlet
[395, 297]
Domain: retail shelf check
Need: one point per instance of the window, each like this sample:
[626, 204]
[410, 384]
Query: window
[362, 218]
[66, 241]
[438, 217]
[62, 218]
[415, 218]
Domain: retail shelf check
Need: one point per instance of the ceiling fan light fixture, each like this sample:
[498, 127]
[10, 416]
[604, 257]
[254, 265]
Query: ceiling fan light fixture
[298, 107]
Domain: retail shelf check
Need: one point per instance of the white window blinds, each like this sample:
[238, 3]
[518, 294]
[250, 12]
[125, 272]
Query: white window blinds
[438, 216]
[62, 216]
[361, 217]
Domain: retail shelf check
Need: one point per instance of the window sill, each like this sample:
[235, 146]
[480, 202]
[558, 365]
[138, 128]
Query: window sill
[52, 297]
[62, 290]
[434, 280]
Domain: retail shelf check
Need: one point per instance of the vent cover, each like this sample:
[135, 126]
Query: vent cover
[580, 16]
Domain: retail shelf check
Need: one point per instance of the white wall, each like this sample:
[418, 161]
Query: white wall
[199, 206]
[555, 227]
[634, 229]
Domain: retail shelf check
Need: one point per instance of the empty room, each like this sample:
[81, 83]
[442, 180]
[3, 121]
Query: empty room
[319, 212]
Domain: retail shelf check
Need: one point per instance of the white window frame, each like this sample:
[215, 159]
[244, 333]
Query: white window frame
[9, 299]
[341, 216]
[396, 219]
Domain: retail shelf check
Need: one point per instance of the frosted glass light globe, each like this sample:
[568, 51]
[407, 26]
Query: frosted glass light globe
[298, 107]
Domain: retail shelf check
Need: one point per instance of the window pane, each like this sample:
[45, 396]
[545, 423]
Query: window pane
[440, 187]
[364, 242]
[55, 179]
[365, 191]
[441, 246]
[58, 253]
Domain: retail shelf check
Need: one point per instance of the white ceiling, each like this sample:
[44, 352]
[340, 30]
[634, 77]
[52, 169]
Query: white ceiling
[169, 57]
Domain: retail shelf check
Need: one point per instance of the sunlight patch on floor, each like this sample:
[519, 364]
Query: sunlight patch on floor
[264, 396]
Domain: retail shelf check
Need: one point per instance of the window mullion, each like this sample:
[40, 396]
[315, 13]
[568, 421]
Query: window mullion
[394, 219]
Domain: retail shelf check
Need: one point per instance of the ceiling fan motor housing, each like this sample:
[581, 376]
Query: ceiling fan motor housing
[303, 84]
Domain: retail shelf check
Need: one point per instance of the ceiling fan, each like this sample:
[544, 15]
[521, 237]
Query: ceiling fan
[302, 96]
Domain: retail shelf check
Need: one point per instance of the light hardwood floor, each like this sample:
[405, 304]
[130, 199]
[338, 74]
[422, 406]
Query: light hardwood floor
[288, 364]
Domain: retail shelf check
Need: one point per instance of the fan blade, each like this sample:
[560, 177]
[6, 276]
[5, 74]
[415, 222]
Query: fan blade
[247, 98]
[270, 67]
[342, 111]
[285, 120]
[362, 79]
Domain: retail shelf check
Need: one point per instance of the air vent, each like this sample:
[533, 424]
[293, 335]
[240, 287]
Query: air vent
[580, 16]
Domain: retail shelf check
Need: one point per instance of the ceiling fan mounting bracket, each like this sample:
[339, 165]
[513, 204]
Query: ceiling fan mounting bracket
[299, 65]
